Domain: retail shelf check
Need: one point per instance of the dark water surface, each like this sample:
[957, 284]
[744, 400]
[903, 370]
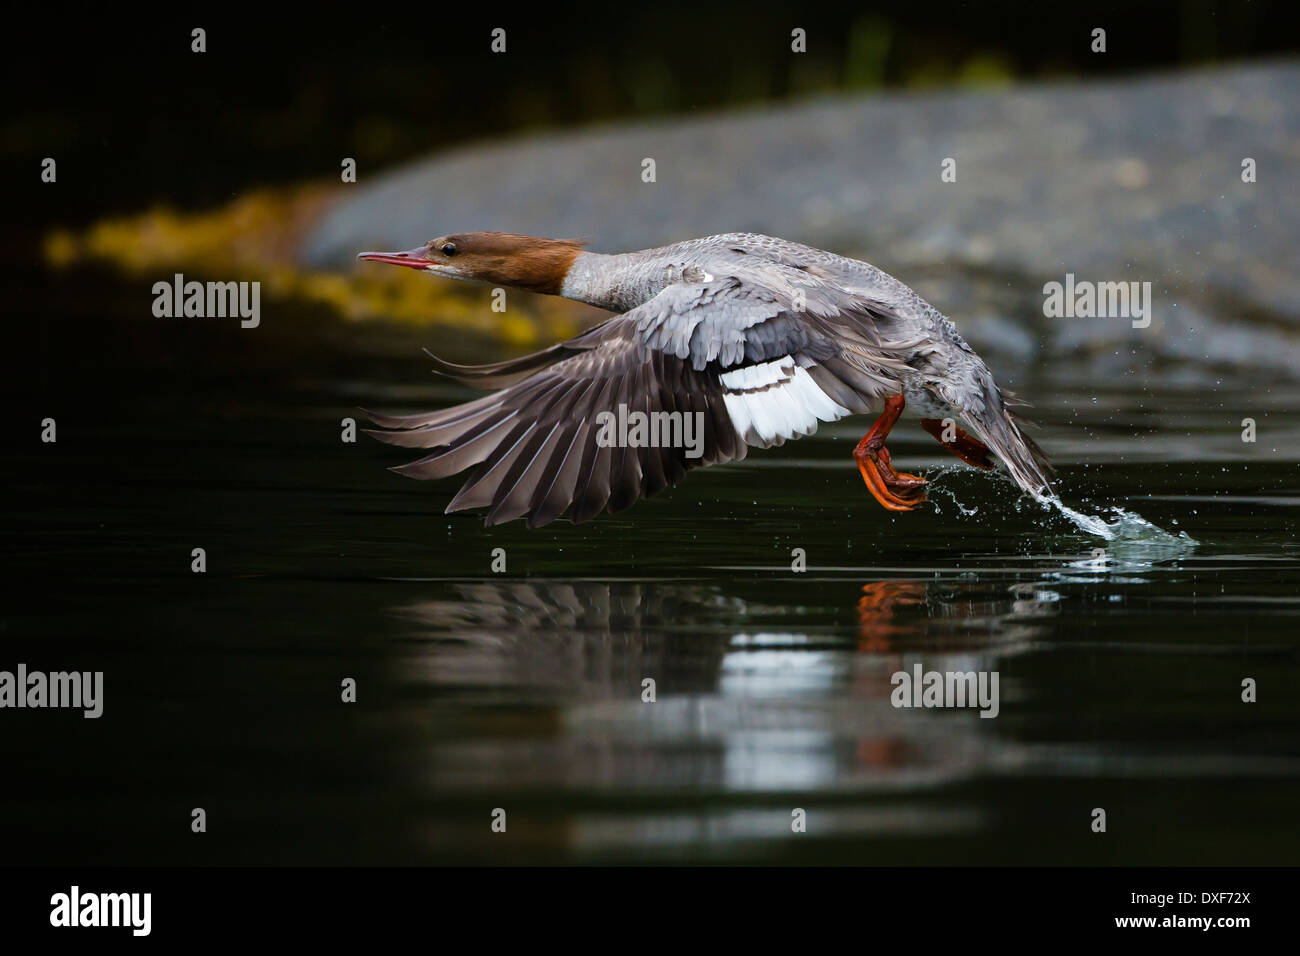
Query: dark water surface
[1120, 675]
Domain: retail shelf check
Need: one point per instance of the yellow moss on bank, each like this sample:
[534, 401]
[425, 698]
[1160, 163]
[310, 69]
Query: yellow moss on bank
[255, 238]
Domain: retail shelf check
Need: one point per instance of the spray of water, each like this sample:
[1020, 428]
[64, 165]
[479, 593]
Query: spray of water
[1131, 538]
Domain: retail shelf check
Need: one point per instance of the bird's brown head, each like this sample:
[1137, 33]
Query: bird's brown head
[498, 258]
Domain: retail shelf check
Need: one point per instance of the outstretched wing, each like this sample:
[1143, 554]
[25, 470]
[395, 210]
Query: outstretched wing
[734, 355]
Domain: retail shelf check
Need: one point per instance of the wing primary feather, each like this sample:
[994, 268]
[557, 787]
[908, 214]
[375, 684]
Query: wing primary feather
[512, 497]
[460, 456]
[480, 489]
[433, 436]
[556, 489]
[593, 472]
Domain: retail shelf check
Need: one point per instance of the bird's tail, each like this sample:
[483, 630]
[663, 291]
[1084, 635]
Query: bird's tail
[1004, 432]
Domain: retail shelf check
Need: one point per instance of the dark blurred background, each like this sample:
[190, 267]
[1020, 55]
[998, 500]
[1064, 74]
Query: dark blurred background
[134, 117]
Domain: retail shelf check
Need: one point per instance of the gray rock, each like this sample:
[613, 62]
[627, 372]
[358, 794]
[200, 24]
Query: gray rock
[1112, 181]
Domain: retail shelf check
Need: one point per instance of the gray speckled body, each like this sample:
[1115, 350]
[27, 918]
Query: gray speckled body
[912, 348]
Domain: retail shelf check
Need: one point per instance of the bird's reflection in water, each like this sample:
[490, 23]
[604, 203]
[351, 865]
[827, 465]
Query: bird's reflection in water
[574, 640]
[877, 608]
[542, 686]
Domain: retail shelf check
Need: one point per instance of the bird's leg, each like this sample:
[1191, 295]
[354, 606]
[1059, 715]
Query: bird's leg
[894, 490]
[962, 445]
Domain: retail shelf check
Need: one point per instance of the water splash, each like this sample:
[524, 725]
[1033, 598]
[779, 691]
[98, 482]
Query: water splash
[1132, 538]
[1132, 541]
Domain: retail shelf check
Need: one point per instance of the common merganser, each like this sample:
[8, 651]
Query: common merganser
[763, 338]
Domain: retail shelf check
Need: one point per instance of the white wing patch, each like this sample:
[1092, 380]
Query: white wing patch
[773, 401]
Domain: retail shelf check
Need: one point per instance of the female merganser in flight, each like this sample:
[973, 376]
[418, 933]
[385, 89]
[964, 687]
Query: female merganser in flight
[763, 338]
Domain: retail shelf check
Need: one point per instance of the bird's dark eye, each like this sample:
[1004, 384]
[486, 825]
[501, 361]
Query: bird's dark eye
[448, 248]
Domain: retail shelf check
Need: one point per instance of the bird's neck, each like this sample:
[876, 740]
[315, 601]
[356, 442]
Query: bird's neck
[614, 282]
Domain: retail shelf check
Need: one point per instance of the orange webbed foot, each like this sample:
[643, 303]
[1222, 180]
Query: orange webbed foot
[895, 490]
